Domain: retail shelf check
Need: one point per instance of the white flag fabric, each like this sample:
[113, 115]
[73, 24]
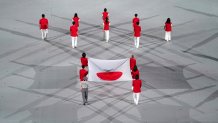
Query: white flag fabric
[109, 70]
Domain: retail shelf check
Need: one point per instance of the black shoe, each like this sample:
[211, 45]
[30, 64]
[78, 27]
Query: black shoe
[84, 103]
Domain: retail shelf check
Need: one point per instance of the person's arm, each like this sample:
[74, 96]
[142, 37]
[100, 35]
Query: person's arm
[39, 24]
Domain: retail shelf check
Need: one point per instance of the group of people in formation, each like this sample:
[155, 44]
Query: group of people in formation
[136, 82]
[43, 22]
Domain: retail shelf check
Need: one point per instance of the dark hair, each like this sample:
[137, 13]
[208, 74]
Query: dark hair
[43, 15]
[136, 15]
[73, 23]
[168, 20]
[105, 9]
[83, 55]
[75, 15]
[107, 20]
[83, 66]
[132, 56]
[137, 76]
[135, 68]
[137, 23]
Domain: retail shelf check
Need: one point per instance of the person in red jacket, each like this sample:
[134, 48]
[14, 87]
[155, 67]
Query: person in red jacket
[135, 72]
[74, 34]
[76, 19]
[106, 25]
[135, 20]
[83, 73]
[43, 25]
[136, 88]
[137, 34]
[132, 62]
[84, 60]
[168, 29]
[105, 15]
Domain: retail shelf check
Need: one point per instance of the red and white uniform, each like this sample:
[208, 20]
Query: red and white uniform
[84, 61]
[137, 34]
[134, 20]
[132, 63]
[134, 73]
[137, 85]
[82, 74]
[74, 35]
[136, 88]
[168, 29]
[43, 23]
[106, 30]
[76, 20]
[105, 15]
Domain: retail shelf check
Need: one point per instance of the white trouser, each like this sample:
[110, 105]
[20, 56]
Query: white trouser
[136, 41]
[136, 98]
[167, 36]
[74, 41]
[44, 33]
[106, 35]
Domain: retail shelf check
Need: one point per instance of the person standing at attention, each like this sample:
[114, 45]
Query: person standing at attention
[132, 62]
[83, 84]
[135, 72]
[76, 19]
[106, 25]
[137, 34]
[136, 88]
[43, 23]
[74, 34]
[168, 29]
[135, 20]
[105, 14]
[84, 60]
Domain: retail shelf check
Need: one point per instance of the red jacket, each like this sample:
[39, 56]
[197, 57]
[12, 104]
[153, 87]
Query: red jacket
[137, 84]
[132, 63]
[76, 20]
[168, 27]
[106, 25]
[74, 31]
[134, 73]
[104, 15]
[82, 74]
[84, 61]
[43, 22]
[134, 20]
[137, 31]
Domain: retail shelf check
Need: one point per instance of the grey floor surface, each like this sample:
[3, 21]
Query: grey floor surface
[39, 79]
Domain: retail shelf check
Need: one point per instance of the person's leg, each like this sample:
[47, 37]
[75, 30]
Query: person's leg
[46, 32]
[75, 42]
[107, 35]
[169, 35]
[165, 36]
[137, 40]
[86, 95]
[104, 35]
[42, 33]
[83, 96]
[137, 98]
[134, 97]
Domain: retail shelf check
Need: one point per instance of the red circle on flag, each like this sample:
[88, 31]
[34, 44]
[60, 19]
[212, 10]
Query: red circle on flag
[110, 76]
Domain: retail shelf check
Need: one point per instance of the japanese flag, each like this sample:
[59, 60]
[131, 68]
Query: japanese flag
[109, 70]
